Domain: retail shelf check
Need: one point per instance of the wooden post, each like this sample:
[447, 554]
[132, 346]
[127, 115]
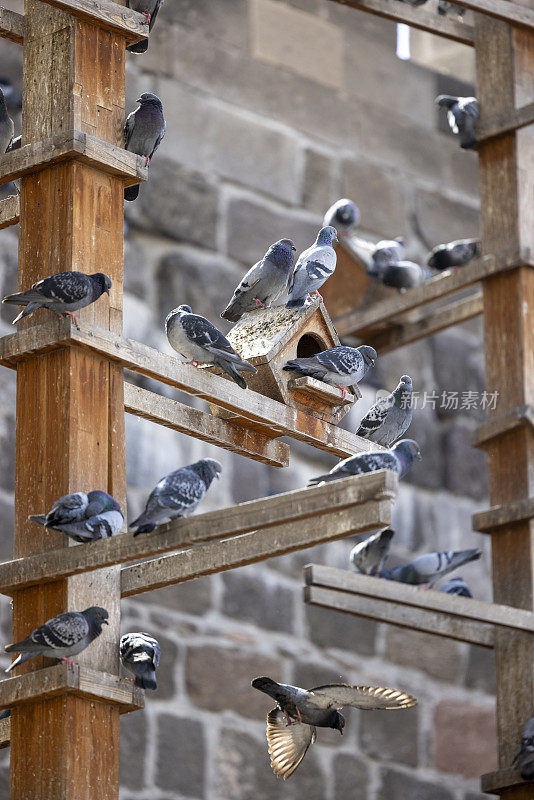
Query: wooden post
[505, 69]
[70, 405]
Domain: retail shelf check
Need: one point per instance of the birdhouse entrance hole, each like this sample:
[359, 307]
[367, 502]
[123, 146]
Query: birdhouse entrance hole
[310, 345]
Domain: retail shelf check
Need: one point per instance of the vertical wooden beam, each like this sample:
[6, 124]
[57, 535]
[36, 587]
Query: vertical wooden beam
[505, 80]
[70, 405]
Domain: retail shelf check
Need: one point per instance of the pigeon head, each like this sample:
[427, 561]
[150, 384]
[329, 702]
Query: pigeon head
[96, 616]
[343, 213]
[446, 100]
[102, 281]
[207, 469]
[369, 354]
[104, 501]
[178, 312]
[338, 722]
[147, 98]
[439, 257]
[406, 451]
[281, 253]
[327, 235]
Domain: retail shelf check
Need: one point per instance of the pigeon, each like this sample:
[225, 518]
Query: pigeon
[140, 654]
[200, 342]
[414, 2]
[456, 586]
[343, 216]
[314, 266]
[143, 132]
[398, 459]
[462, 113]
[150, 9]
[401, 275]
[428, 568]
[63, 293]
[444, 6]
[84, 517]
[454, 254]
[524, 758]
[387, 251]
[177, 494]
[370, 555]
[291, 725]
[5, 713]
[16, 144]
[13, 97]
[7, 127]
[264, 282]
[63, 636]
[390, 417]
[340, 366]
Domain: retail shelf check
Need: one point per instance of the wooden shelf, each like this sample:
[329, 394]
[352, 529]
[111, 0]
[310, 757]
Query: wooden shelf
[502, 780]
[488, 431]
[105, 14]
[73, 145]
[504, 10]
[494, 127]
[9, 211]
[78, 680]
[503, 515]
[465, 619]
[416, 18]
[279, 510]
[200, 425]
[254, 410]
[12, 26]
[324, 392]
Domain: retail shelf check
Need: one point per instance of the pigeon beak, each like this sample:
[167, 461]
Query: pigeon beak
[107, 291]
[105, 622]
[294, 248]
[218, 476]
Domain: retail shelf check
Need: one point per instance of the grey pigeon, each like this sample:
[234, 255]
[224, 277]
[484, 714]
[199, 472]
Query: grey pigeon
[150, 9]
[340, 366]
[344, 215]
[63, 636]
[264, 282]
[13, 97]
[524, 758]
[454, 254]
[143, 132]
[177, 494]
[5, 713]
[462, 113]
[200, 342]
[7, 127]
[444, 6]
[84, 517]
[428, 568]
[456, 586]
[314, 266]
[401, 275]
[370, 555]
[64, 293]
[390, 417]
[140, 654]
[387, 251]
[291, 725]
[398, 459]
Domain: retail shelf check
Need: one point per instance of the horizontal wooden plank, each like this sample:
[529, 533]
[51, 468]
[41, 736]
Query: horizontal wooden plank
[403, 616]
[368, 322]
[501, 780]
[416, 18]
[200, 425]
[64, 679]
[497, 426]
[5, 732]
[11, 26]
[252, 547]
[9, 211]
[431, 321]
[254, 515]
[272, 418]
[463, 607]
[106, 14]
[322, 391]
[73, 145]
[487, 130]
[504, 10]
[501, 516]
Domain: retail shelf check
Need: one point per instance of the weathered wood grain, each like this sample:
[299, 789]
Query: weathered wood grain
[250, 548]
[497, 426]
[515, 13]
[12, 26]
[415, 18]
[504, 515]
[507, 122]
[322, 391]
[278, 510]
[9, 211]
[108, 15]
[199, 425]
[503, 779]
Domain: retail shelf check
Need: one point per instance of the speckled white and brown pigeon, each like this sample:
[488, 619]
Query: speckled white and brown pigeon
[140, 655]
[398, 459]
[390, 417]
[62, 636]
[291, 726]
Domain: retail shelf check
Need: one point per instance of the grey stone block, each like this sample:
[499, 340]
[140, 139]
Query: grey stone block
[343, 631]
[442, 220]
[133, 744]
[254, 596]
[379, 194]
[180, 755]
[438, 657]
[351, 778]
[465, 466]
[192, 597]
[396, 785]
[320, 188]
[480, 672]
[390, 737]
[242, 769]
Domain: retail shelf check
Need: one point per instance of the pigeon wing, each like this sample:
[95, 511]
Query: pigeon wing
[64, 630]
[128, 128]
[287, 744]
[339, 360]
[369, 697]
[203, 333]
[67, 287]
[376, 416]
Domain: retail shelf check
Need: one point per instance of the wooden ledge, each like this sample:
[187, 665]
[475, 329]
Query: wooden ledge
[321, 391]
[69, 146]
[497, 426]
[79, 680]
[501, 516]
[501, 780]
[416, 18]
[487, 130]
[111, 16]
[504, 10]
[12, 26]
[9, 211]
[267, 512]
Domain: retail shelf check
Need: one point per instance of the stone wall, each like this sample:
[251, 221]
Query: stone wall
[274, 110]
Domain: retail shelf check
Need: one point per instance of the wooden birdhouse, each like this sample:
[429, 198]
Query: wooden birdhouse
[270, 337]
